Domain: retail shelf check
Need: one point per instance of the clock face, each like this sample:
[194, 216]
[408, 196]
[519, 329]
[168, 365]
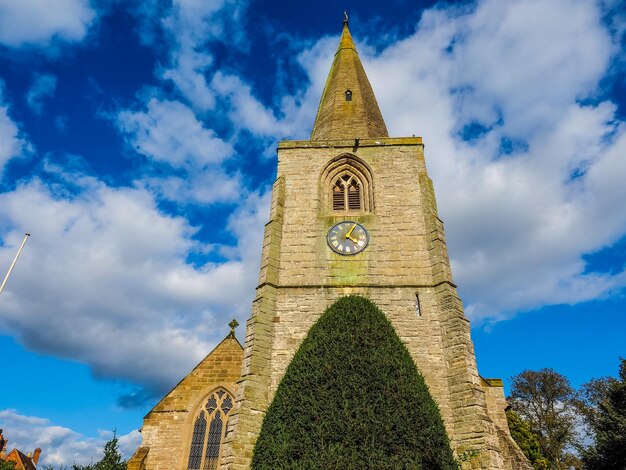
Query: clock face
[347, 238]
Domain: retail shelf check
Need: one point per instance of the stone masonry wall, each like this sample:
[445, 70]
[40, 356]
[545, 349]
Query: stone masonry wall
[166, 432]
[496, 402]
[254, 386]
[406, 263]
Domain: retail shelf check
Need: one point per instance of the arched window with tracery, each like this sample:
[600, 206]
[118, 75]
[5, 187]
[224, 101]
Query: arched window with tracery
[347, 193]
[348, 185]
[205, 450]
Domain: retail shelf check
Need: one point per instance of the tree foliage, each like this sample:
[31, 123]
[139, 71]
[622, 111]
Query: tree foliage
[545, 399]
[604, 411]
[111, 460]
[4, 465]
[352, 398]
[527, 440]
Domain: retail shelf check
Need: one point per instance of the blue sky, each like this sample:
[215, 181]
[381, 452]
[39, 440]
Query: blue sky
[137, 145]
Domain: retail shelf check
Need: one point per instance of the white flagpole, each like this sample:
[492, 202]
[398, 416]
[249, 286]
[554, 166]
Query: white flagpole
[6, 278]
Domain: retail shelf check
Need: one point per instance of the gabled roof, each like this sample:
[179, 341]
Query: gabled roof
[23, 462]
[204, 368]
[339, 117]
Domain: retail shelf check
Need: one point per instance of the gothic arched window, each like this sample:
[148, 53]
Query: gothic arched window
[339, 196]
[347, 193]
[346, 185]
[204, 453]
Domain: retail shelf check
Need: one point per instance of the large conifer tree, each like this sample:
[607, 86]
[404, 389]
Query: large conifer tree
[606, 415]
[352, 398]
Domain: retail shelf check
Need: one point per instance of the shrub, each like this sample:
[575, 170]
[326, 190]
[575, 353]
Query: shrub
[352, 398]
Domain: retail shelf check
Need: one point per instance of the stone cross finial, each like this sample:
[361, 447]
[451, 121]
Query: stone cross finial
[233, 324]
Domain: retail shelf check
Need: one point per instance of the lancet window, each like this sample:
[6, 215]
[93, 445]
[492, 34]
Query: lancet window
[347, 193]
[209, 428]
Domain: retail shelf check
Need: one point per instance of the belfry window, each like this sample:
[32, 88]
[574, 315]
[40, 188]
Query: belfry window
[347, 194]
[346, 185]
[205, 450]
[354, 195]
[348, 94]
[339, 192]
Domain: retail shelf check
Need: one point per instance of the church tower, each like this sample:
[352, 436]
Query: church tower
[353, 212]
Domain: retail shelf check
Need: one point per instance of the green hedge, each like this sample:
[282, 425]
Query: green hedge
[352, 398]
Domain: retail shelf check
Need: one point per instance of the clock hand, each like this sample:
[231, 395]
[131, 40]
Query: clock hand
[351, 239]
[350, 232]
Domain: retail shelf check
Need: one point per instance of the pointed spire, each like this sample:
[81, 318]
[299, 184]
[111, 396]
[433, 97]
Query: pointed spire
[348, 108]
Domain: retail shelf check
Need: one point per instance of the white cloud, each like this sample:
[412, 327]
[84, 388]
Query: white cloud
[517, 70]
[247, 223]
[188, 73]
[518, 221]
[206, 187]
[615, 16]
[299, 111]
[105, 277]
[34, 22]
[44, 86]
[190, 26]
[11, 142]
[294, 115]
[168, 132]
[526, 62]
[60, 445]
[107, 267]
[245, 111]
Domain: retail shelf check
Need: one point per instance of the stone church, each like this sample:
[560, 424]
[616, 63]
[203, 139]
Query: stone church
[353, 212]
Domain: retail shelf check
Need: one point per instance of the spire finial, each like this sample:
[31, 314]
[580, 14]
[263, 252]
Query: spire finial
[233, 324]
[345, 17]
